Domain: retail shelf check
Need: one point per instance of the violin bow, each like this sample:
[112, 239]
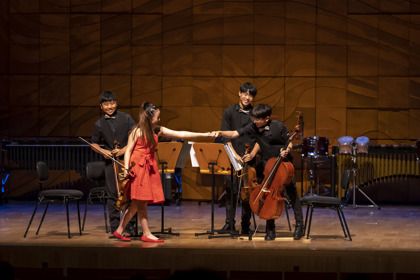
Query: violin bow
[99, 151]
[115, 167]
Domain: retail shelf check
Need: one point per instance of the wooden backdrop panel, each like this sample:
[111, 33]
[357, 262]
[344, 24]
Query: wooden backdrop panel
[351, 67]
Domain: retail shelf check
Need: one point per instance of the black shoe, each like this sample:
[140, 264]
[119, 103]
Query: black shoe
[298, 232]
[271, 235]
[225, 229]
[245, 228]
[246, 231]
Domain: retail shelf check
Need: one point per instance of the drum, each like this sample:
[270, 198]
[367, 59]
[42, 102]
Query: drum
[345, 144]
[316, 147]
[362, 144]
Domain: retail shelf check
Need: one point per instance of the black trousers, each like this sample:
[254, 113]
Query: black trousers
[114, 214]
[233, 188]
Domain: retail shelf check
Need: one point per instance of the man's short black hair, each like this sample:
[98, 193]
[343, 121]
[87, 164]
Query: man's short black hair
[261, 111]
[248, 86]
[106, 96]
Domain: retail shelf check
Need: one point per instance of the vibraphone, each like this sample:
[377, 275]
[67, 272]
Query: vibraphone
[382, 164]
[58, 154]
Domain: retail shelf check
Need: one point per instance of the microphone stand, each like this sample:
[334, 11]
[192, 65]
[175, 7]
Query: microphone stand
[355, 187]
[301, 160]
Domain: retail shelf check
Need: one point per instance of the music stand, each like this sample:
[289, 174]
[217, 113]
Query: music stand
[166, 156]
[182, 160]
[212, 159]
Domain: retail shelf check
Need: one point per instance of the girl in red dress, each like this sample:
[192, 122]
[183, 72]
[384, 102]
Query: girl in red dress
[146, 186]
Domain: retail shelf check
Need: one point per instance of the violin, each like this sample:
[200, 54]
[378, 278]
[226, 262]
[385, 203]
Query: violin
[123, 197]
[250, 177]
[267, 200]
[121, 181]
[115, 165]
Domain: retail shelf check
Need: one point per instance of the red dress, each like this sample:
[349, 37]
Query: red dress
[147, 184]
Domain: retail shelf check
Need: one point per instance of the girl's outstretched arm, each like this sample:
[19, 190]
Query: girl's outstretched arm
[227, 133]
[183, 134]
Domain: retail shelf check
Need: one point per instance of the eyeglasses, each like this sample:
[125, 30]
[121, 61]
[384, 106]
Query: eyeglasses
[247, 94]
[255, 120]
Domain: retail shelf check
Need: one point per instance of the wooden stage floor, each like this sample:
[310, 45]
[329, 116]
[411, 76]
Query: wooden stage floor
[385, 245]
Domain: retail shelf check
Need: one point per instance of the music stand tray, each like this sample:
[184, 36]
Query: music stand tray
[166, 154]
[212, 159]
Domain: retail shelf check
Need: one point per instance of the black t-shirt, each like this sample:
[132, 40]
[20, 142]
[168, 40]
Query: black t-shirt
[271, 138]
[234, 118]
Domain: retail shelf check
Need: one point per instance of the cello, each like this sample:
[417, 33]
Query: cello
[267, 200]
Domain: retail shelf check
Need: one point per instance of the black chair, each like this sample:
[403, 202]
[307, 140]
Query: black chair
[95, 171]
[314, 201]
[48, 196]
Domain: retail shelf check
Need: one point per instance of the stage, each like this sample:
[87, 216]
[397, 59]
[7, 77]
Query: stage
[385, 245]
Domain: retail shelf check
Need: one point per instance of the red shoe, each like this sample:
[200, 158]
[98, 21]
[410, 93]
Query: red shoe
[121, 237]
[145, 239]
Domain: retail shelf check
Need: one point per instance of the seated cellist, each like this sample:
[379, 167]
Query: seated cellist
[271, 136]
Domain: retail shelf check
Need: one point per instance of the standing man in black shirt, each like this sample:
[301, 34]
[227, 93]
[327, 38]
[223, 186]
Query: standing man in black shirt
[271, 137]
[235, 117]
[114, 125]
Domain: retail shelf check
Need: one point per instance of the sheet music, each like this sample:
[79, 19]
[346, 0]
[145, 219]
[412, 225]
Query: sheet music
[194, 161]
[235, 162]
[184, 155]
